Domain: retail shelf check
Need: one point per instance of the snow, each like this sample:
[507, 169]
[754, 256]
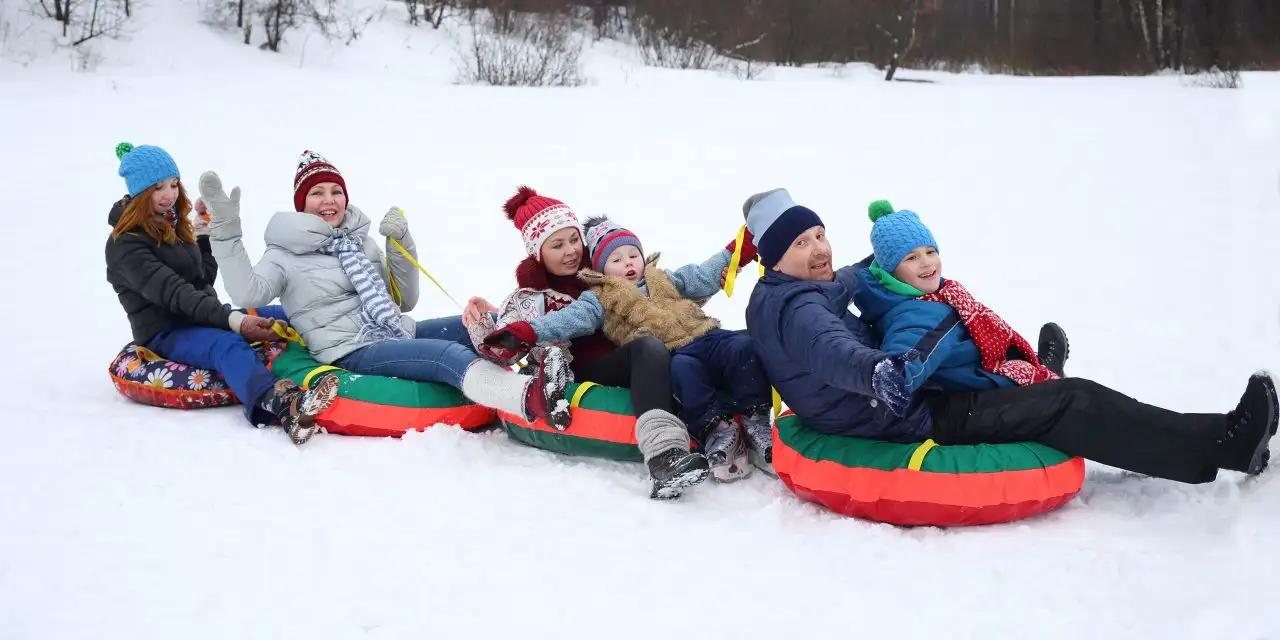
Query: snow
[1139, 213]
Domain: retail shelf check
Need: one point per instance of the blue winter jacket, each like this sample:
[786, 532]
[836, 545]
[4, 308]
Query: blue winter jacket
[948, 355]
[820, 357]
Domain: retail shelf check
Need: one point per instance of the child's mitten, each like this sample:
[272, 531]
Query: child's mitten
[748, 247]
[510, 342]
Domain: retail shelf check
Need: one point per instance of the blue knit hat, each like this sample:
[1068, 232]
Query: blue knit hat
[775, 221]
[144, 166]
[894, 234]
[603, 237]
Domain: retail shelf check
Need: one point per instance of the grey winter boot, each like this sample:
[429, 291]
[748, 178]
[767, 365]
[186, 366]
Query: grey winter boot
[664, 443]
[759, 431]
[726, 451]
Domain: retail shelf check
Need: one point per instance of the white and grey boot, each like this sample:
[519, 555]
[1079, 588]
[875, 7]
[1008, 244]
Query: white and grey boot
[726, 451]
[531, 397]
[759, 432]
[664, 442]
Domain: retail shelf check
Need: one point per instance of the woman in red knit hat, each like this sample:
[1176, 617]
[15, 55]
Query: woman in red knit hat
[548, 281]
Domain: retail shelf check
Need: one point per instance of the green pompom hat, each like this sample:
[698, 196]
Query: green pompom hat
[144, 166]
[894, 234]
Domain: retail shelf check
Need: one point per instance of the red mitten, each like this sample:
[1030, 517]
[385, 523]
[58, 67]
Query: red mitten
[748, 247]
[510, 342]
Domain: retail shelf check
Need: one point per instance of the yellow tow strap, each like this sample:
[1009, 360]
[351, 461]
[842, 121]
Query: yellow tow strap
[394, 289]
[735, 263]
[577, 395]
[777, 403]
[917, 456]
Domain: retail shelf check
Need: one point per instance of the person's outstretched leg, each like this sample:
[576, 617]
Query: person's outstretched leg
[264, 398]
[738, 370]
[644, 365]
[485, 383]
[1083, 418]
[447, 328]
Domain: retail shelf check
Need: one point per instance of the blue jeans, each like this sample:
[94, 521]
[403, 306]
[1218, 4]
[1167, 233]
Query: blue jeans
[440, 352]
[718, 361]
[222, 351]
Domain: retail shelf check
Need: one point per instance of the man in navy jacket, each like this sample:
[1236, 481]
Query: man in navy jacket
[826, 364]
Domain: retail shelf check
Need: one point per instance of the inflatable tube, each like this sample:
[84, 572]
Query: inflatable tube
[380, 406]
[603, 425]
[923, 483]
[141, 375]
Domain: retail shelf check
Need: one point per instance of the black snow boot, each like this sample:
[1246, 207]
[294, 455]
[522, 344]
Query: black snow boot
[674, 470]
[1053, 347]
[297, 408]
[1250, 426]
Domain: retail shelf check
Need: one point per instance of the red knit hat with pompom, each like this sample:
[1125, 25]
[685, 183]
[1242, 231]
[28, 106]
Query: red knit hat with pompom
[313, 169]
[537, 217]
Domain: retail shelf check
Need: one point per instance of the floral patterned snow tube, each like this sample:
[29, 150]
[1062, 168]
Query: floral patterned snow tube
[144, 376]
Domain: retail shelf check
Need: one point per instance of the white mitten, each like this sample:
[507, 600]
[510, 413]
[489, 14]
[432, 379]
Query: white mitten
[221, 207]
[394, 224]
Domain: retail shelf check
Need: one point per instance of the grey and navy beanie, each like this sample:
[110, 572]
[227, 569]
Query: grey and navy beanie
[775, 221]
[144, 166]
[603, 237]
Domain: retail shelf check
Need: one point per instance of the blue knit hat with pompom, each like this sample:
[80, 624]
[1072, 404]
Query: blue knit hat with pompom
[144, 166]
[894, 234]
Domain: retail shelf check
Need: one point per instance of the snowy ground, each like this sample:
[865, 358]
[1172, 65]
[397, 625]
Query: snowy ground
[1139, 213]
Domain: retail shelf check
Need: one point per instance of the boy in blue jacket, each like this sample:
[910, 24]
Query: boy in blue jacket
[630, 297]
[962, 344]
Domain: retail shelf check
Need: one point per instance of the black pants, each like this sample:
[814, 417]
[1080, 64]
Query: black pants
[643, 365]
[1083, 418]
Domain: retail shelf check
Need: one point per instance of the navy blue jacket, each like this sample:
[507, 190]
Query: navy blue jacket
[948, 355]
[820, 357]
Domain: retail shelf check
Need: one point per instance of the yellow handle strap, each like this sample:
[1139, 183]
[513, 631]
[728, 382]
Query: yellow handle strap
[917, 456]
[582, 391]
[393, 288]
[415, 263]
[289, 334]
[735, 262]
[306, 380]
[146, 354]
[777, 403]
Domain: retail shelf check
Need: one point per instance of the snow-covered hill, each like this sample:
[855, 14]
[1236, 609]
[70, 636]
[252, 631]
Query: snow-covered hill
[1140, 214]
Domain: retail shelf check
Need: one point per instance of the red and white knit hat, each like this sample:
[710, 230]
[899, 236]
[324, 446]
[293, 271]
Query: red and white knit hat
[313, 169]
[537, 217]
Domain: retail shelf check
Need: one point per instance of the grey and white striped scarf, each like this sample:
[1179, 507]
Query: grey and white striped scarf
[380, 316]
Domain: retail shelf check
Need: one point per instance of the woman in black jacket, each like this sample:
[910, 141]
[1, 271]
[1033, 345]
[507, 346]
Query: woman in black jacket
[163, 276]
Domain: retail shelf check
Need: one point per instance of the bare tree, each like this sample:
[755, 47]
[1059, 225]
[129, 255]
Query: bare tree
[900, 28]
[433, 12]
[84, 20]
[523, 50]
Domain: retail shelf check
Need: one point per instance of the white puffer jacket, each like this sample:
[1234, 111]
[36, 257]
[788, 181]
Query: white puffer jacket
[316, 294]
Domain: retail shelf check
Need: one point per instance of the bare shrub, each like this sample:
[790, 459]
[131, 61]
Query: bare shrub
[433, 12]
[663, 46]
[522, 50]
[84, 20]
[1214, 78]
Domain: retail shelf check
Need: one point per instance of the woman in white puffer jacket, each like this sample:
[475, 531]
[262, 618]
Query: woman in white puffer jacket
[331, 281]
